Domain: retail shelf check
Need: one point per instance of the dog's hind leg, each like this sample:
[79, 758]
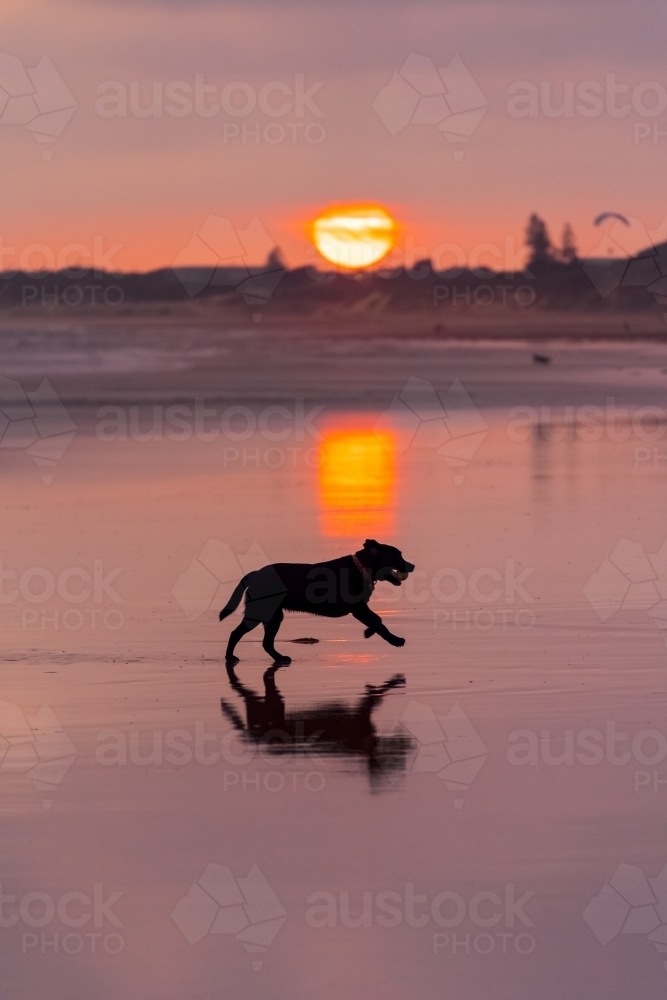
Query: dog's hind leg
[247, 625]
[270, 631]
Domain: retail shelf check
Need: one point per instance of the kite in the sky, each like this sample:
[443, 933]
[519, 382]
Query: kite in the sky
[610, 215]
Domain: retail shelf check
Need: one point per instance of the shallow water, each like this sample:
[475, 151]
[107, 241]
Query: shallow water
[445, 837]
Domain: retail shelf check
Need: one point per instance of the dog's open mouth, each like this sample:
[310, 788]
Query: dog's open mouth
[398, 574]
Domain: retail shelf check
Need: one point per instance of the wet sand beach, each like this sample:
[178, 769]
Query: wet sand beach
[457, 837]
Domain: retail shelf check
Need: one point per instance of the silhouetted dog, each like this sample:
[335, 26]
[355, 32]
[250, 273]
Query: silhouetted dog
[333, 589]
[328, 728]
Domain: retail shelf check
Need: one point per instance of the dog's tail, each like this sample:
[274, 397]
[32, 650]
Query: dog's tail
[234, 601]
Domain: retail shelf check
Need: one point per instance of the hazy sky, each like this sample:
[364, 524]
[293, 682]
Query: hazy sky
[288, 124]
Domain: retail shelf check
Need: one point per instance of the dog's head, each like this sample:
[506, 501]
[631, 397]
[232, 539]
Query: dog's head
[385, 562]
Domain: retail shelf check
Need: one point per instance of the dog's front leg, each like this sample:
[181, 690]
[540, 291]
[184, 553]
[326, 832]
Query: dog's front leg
[372, 621]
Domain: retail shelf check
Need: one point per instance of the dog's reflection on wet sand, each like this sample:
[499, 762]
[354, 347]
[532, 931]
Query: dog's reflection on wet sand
[331, 728]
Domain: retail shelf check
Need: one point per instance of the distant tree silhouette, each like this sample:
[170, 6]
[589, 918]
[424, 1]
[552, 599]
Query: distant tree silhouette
[274, 261]
[538, 241]
[568, 251]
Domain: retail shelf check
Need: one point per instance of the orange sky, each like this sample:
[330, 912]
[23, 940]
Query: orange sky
[309, 76]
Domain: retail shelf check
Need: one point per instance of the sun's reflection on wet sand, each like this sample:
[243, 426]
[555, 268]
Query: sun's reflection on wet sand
[357, 479]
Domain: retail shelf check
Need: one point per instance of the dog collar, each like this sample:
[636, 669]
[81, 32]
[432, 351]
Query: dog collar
[364, 572]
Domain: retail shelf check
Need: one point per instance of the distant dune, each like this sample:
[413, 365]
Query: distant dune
[600, 298]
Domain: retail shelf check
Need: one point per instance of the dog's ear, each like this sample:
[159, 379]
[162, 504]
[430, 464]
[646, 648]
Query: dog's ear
[370, 543]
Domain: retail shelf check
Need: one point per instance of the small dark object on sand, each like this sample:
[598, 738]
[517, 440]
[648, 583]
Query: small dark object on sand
[306, 639]
[541, 359]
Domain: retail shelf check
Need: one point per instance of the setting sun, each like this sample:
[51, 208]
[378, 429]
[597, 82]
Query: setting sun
[354, 236]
